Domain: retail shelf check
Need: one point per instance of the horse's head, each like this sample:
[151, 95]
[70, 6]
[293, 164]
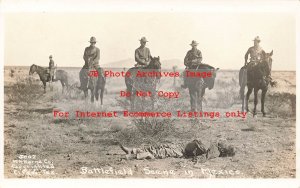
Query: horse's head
[33, 68]
[154, 63]
[268, 57]
[210, 82]
[267, 61]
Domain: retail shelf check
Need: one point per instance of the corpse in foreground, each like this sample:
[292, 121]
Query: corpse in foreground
[194, 149]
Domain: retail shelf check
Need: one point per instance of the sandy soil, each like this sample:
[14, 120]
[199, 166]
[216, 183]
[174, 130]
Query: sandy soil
[265, 146]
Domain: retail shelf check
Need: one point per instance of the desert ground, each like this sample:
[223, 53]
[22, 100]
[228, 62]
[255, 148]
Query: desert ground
[265, 146]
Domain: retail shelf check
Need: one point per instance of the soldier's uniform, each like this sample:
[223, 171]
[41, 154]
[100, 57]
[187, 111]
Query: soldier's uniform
[142, 55]
[256, 56]
[91, 55]
[91, 58]
[51, 69]
[192, 58]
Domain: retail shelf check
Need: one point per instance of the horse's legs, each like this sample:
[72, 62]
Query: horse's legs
[143, 102]
[202, 92]
[50, 84]
[255, 100]
[242, 96]
[193, 99]
[85, 93]
[132, 98]
[263, 95]
[97, 94]
[44, 83]
[152, 99]
[101, 96]
[199, 98]
[247, 97]
[92, 94]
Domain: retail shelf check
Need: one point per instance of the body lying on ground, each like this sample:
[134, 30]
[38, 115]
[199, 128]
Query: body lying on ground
[194, 149]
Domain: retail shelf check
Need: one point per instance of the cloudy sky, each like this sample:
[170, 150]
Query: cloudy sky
[224, 37]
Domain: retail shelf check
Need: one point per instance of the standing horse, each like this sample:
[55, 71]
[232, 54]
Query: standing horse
[145, 84]
[45, 76]
[254, 77]
[198, 85]
[94, 82]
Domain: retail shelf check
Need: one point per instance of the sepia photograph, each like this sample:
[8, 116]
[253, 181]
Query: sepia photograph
[163, 93]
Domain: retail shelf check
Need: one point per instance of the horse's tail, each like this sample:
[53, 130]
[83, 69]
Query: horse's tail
[83, 78]
[242, 81]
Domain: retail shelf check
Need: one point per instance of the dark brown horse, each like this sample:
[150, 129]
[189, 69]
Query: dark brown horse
[94, 83]
[45, 76]
[254, 76]
[145, 84]
[197, 85]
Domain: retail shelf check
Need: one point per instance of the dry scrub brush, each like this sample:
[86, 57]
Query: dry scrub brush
[25, 90]
[282, 104]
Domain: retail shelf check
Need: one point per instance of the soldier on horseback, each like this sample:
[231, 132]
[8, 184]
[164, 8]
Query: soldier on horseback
[256, 55]
[51, 69]
[142, 54]
[91, 54]
[91, 58]
[192, 58]
[256, 52]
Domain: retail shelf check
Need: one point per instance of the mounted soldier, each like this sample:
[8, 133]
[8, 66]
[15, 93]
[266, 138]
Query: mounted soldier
[142, 54]
[256, 52]
[135, 83]
[192, 59]
[91, 58]
[256, 55]
[91, 54]
[51, 69]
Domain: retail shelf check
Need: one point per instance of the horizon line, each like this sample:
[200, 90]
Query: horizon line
[131, 67]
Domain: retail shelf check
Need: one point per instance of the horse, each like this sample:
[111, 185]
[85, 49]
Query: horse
[254, 76]
[45, 76]
[198, 85]
[94, 82]
[145, 84]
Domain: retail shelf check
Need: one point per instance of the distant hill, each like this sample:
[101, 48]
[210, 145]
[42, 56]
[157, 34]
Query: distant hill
[127, 63]
[169, 63]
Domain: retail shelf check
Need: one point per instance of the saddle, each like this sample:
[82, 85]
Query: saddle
[90, 66]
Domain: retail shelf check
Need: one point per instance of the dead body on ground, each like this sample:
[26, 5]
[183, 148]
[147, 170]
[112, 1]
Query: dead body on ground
[194, 149]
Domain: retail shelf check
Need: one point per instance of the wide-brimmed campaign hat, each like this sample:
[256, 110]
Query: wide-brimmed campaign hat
[194, 43]
[257, 39]
[93, 39]
[143, 39]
